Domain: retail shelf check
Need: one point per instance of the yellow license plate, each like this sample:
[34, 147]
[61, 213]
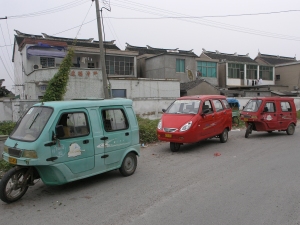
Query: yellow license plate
[168, 135]
[12, 160]
[245, 119]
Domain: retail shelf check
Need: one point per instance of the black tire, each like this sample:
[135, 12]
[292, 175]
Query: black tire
[235, 120]
[224, 136]
[291, 129]
[129, 164]
[11, 188]
[174, 146]
[248, 130]
[270, 131]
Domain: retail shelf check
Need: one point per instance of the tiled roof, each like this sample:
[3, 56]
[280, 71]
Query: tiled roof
[158, 51]
[80, 42]
[275, 60]
[189, 85]
[229, 57]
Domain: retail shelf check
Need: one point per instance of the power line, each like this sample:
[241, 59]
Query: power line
[51, 10]
[6, 69]
[6, 47]
[161, 12]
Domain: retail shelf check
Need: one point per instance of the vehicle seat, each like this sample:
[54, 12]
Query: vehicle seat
[67, 132]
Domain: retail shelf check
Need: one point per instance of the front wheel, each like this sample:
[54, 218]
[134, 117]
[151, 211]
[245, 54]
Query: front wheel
[174, 146]
[128, 165]
[14, 184]
[291, 129]
[248, 130]
[224, 136]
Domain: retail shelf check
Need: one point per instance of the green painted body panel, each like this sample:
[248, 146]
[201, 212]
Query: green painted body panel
[96, 151]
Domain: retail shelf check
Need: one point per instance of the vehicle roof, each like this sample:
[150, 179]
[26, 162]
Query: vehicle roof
[202, 97]
[86, 103]
[274, 98]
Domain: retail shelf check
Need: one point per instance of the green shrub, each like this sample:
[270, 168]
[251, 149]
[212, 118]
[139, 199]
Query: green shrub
[4, 166]
[147, 130]
[298, 115]
[6, 127]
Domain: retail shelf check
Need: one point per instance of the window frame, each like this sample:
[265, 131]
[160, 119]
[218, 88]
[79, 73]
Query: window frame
[109, 127]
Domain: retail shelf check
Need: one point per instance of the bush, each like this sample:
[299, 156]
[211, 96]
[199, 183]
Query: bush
[6, 127]
[147, 130]
[298, 114]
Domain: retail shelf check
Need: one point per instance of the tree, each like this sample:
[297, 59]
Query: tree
[57, 86]
[3, 91]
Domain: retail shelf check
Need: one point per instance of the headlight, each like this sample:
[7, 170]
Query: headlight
[5, 149]
[159, 125]
[29, 154]
[186, 126]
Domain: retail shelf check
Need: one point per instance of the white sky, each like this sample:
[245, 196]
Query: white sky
[129, 21]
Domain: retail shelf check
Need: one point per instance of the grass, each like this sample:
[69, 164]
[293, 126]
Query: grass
[298, 115]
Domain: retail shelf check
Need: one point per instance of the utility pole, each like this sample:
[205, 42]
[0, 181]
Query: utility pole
[102, 59]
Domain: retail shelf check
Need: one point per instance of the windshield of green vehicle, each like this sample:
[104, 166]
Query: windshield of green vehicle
[252, 105]
[184, 107]
[32, 124]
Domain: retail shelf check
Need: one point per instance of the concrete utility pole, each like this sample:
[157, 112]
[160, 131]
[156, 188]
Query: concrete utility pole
[102, 59]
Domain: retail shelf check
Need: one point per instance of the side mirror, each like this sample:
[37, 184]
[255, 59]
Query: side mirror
[59, 130]
[163, 110]
[266, 109]
[205, 111]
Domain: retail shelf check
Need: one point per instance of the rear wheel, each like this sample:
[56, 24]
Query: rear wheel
[174, 146]
[291, 129]
[128, 165]
[224, 136]
[248, 130]
[270, 131]
[14, 185]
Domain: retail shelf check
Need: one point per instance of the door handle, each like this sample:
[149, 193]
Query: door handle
[104, 138]
[126, 134]
[104, 156]
[86, 141]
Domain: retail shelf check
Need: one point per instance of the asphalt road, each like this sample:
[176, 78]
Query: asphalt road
[254, 181]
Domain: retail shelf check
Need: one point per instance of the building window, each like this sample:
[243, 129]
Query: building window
[266, 72]
[118, 93]
[206, 69]
[180, 65]
[91, 65]
[251, 72]
[47, 62]
[278, 77]
[235, 70]
[119, 65]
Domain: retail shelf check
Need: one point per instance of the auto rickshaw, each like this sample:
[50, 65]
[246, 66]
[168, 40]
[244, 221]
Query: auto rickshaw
[270, 114]
[63, 141]
[235, 107]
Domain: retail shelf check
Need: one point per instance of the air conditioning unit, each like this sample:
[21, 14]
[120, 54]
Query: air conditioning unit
[35, 67]
[296, 88]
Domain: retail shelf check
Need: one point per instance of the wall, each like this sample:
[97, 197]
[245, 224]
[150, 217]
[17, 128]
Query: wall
[203, 89]
[289, 76]
[164, 67]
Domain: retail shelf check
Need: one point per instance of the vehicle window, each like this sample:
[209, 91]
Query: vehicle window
[207, 105]
[184, 107]
[114, 119]
[270, 106]
[32, 124]
[74, 124]
[218, 105]
[252, 105]
[226, 104]
[285, 107]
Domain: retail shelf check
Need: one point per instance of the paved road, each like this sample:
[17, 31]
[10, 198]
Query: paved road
[253, 181]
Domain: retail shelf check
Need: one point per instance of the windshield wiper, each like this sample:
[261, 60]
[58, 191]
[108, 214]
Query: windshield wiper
[34, 120]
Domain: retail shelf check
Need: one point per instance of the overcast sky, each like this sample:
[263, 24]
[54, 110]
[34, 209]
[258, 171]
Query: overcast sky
[229, 26]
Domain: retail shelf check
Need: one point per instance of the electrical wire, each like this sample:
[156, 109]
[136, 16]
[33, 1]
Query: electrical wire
[6, 48]
[6, 69]
[157, 11]
[84, 20]
[51, 10]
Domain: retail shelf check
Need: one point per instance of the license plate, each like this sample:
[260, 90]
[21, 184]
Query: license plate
[12, 160]
[245, 119]
[168, 135]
